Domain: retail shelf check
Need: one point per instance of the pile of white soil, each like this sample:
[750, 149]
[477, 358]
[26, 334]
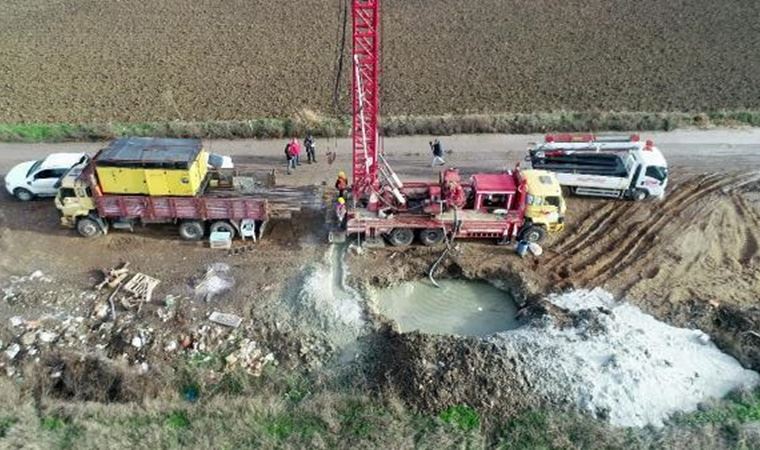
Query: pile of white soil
[620, 364]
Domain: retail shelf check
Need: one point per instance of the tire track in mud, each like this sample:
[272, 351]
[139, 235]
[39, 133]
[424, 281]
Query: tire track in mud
[611, 214]
[751, 246]
[638, 238]
[643, 241]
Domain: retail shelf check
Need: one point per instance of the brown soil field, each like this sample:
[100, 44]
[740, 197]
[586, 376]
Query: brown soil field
[94, 61]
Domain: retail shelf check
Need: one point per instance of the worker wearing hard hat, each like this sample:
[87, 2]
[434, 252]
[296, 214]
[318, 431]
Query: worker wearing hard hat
[341, 184]
[341, 212]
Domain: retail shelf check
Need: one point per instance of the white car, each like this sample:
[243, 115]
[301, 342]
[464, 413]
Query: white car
[39, 178]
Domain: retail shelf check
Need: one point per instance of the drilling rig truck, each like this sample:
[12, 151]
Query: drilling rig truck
[505, 206]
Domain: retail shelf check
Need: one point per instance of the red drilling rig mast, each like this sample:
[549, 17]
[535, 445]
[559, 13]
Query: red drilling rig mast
[365, 59]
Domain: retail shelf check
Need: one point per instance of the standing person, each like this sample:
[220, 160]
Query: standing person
[311, 148]
[341, 184]
[437, 149]
[290, 154]
[341, 212]
[296, 150]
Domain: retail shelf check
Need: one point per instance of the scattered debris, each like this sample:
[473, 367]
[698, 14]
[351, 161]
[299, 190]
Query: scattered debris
[141, 287]
[220, 240]
[229, 320]
[48, 336]
[250, 358]
[113, 277]
[12, 351]
[216, 281]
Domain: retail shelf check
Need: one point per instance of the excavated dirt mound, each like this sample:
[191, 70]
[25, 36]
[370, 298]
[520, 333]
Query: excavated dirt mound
[131, 60]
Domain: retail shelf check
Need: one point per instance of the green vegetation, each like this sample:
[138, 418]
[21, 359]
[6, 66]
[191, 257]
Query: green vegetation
[739, 408]
[274, 128]
[6, 423]
[64, 431]
[283, 409]
[461, 416]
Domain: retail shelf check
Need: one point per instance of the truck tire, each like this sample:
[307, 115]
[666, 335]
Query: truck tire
[401, 237]
[431, 236]
[533, 233]
[88, 227]
[191, 230]
[23, 195]
[224, 226]
[639, 195]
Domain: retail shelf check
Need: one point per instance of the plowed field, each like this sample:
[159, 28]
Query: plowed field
[130, 60]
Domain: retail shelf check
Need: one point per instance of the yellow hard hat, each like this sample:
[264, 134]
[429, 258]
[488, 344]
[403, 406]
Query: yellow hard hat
[341, 200]
[342, 174]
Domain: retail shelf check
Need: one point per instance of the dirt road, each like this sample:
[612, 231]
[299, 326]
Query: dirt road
[694, 150]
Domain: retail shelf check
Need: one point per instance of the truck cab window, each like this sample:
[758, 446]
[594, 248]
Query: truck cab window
[493, 201]
[658, 173]
[67, 192]
[553, 201]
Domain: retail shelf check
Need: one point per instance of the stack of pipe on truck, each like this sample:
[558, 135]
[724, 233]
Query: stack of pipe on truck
[605, 166]
[148, 180]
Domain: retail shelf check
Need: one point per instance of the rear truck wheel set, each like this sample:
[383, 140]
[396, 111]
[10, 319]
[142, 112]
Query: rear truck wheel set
[191, 230]
[401, 237]
[431, 236]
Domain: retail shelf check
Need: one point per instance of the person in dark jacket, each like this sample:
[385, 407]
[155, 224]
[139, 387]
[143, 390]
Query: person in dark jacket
[311, 148]
[437, 149]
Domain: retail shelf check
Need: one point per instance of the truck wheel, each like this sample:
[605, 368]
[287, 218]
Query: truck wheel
[23, 195]
[431, 236]
[191, 230]
[224, 227]
[401, 237]
[639, 195]
[88, 227]
[534, 233]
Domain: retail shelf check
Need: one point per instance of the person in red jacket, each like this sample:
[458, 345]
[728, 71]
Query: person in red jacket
[296, 150]
[290, 153]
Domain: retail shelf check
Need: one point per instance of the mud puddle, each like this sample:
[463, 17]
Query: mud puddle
[460, 307]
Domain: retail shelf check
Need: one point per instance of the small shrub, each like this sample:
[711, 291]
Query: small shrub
[6, 423]
[461, 416]
[177, 420]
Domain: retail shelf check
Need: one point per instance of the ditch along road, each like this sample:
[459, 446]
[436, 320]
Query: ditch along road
[692, 259]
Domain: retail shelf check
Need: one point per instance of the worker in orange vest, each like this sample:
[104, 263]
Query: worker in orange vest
[341, 184]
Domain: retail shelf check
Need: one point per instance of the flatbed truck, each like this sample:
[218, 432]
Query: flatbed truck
[85, 205]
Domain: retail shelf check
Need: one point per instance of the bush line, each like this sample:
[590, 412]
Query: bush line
[274, 128]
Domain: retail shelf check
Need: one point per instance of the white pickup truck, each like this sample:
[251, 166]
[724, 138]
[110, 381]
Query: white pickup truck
[616, 167]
